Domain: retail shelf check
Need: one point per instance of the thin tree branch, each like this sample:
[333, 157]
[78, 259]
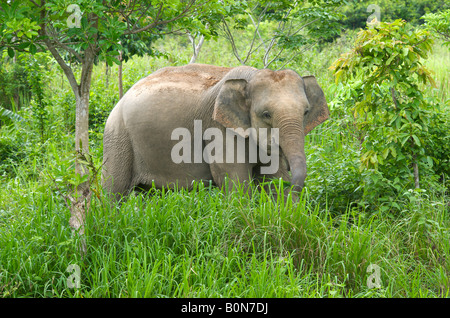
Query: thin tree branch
[304, 26]
[281, 27]
[196, 48]
[145, 11]
[231, 40]
[51, 47]
[66, 68]
[267, 64]
[37, 5]
[295, 55]
[59, 44]
[393, 97]
[262, 14]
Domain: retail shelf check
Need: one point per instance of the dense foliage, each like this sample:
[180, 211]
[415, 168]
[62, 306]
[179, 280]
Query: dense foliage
[439, 23]
[357, 12]
[385, 68]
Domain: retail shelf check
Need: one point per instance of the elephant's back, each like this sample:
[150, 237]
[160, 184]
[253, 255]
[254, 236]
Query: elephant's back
[192, 78]
[170, 95]
[170, 91]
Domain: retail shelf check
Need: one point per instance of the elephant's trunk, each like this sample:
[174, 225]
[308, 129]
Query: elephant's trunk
[298, 170]
[292, 141]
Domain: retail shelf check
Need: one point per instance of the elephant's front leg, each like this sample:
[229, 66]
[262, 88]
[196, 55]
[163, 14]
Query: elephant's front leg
[229, 163]
[236, 173]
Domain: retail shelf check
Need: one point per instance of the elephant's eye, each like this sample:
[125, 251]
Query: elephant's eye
[266, 115]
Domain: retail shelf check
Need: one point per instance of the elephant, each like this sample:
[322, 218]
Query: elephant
[140, 145]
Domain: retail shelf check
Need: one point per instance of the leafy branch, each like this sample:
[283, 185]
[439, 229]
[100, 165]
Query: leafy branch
[385, 68]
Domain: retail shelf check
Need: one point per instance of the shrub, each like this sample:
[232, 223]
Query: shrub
[12, 152]
[386, 68]
[439, 146]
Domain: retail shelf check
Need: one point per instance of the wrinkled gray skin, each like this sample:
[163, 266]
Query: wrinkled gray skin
[137, 137]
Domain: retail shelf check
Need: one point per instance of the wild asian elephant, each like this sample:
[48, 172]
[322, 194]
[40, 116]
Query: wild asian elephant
[170, 127]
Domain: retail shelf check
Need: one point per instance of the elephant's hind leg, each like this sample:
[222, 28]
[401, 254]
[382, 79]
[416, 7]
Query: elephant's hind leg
[117, 164]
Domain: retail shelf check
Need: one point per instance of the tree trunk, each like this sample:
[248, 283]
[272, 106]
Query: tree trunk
[81, 201]
[196, 48]
[416, 172]
[82, 129]
[82, 110]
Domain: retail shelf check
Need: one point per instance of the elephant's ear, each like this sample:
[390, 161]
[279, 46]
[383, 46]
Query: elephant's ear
[318, 111]
[231, 108]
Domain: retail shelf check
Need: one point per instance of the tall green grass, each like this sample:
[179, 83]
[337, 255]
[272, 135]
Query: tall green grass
[439, 63]
[206, 243]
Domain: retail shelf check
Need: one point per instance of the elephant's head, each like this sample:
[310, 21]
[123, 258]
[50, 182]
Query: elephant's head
[283, 100]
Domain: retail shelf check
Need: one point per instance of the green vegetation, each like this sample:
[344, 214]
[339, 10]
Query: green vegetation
[206, 243]
[439, 23]
[356, 12]
[203, 244]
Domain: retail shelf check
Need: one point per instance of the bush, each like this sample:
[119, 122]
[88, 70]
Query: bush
[12, 152]
[439, 23]
[439, 146]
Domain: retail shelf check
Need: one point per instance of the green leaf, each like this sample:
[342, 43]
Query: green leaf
[405, 140]
[393, 119]
[393, 152]
[430, 161]
[388, 62]
[11, 52]
[405, 51]
[416, 140]
[338, 75]
[23, 45]
[33, 48]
